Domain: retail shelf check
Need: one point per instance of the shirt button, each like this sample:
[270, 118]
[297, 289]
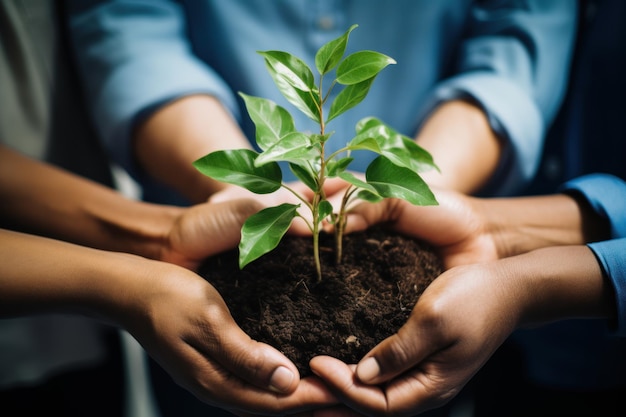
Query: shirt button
[326, 23]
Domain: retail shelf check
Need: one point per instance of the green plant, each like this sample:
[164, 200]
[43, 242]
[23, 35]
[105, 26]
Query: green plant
[392, 174]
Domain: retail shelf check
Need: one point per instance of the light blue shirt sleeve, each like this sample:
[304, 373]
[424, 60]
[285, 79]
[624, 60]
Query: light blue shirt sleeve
[514, 64]
[606, 194]
[134, 57]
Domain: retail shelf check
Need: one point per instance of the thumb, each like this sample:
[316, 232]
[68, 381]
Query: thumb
[392, 357]
[258, 363]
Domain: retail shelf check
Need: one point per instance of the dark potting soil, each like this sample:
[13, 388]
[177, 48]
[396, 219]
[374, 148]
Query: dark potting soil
[368, 297]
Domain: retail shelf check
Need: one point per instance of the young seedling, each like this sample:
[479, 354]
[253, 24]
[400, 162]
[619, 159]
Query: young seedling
[394, 173]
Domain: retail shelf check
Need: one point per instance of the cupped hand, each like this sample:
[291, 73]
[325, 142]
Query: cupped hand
[184, 324]
[205, 230]
[456, 325]
[456, 227]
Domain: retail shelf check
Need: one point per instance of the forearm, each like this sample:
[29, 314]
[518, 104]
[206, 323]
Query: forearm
[559, 283]
[41, 275]
[168, 142]
[42, 199]
[463, 146]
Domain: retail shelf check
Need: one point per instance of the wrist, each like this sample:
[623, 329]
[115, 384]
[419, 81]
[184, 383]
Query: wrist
[522, 224]
[135, 227]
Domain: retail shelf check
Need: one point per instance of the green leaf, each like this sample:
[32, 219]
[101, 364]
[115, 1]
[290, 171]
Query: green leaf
[405, 152]
[236, 166]
[393, 181]
[305, 175]
[329, 55]
[317, 138]
[296, 148]
[357, 182]
[263, 231]
[291, 68]
[271, 120]
[306, 102]
[361, 66]
[336, 167]
[367, 123]
[325, 209]
[364, 142]
[366, 195]
[349, 97]
[400, 149]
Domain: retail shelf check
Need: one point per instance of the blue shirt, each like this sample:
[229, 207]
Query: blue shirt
[606, 194]
[510, 57]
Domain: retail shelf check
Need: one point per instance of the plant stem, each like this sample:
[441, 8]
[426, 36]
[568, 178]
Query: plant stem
[340, 224]
[319, 194]
[316, 237]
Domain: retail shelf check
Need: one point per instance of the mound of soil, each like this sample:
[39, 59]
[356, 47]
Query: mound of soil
[368, 297]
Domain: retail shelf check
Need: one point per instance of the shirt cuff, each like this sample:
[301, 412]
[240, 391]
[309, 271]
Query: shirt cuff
[611, 255]
[606, 195]
[120, 109]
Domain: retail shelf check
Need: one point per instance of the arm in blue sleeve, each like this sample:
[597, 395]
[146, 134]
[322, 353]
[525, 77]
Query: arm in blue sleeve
[133, 57]
[514, 64]
[606, 194]
[611, 255]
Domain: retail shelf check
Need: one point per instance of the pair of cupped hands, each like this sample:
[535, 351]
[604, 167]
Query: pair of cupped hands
[450, 334]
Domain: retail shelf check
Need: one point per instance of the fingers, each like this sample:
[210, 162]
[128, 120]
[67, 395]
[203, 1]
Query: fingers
[245, 376]
[341, 379]
[256, 363]
[390, 358]
[365, 215]
[411, 393]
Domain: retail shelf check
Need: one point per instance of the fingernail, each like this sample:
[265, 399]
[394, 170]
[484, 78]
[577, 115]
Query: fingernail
[368, 369]
[281, 379]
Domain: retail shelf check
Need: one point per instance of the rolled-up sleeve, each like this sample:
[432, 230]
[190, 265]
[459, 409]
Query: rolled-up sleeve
[611, 255]
[606, 195]
[134, 56]
[514, 64]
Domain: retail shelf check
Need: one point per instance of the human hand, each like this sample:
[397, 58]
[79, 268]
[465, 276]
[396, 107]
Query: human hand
[183, 323]
[204, 230]
[459, 322]
[456, 325]
[456, 228]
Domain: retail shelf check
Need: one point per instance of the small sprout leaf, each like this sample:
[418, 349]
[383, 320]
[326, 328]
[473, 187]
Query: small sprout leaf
[337, 166]
[329, 55]
[349, 97]
[262, 231]
[325, 209]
